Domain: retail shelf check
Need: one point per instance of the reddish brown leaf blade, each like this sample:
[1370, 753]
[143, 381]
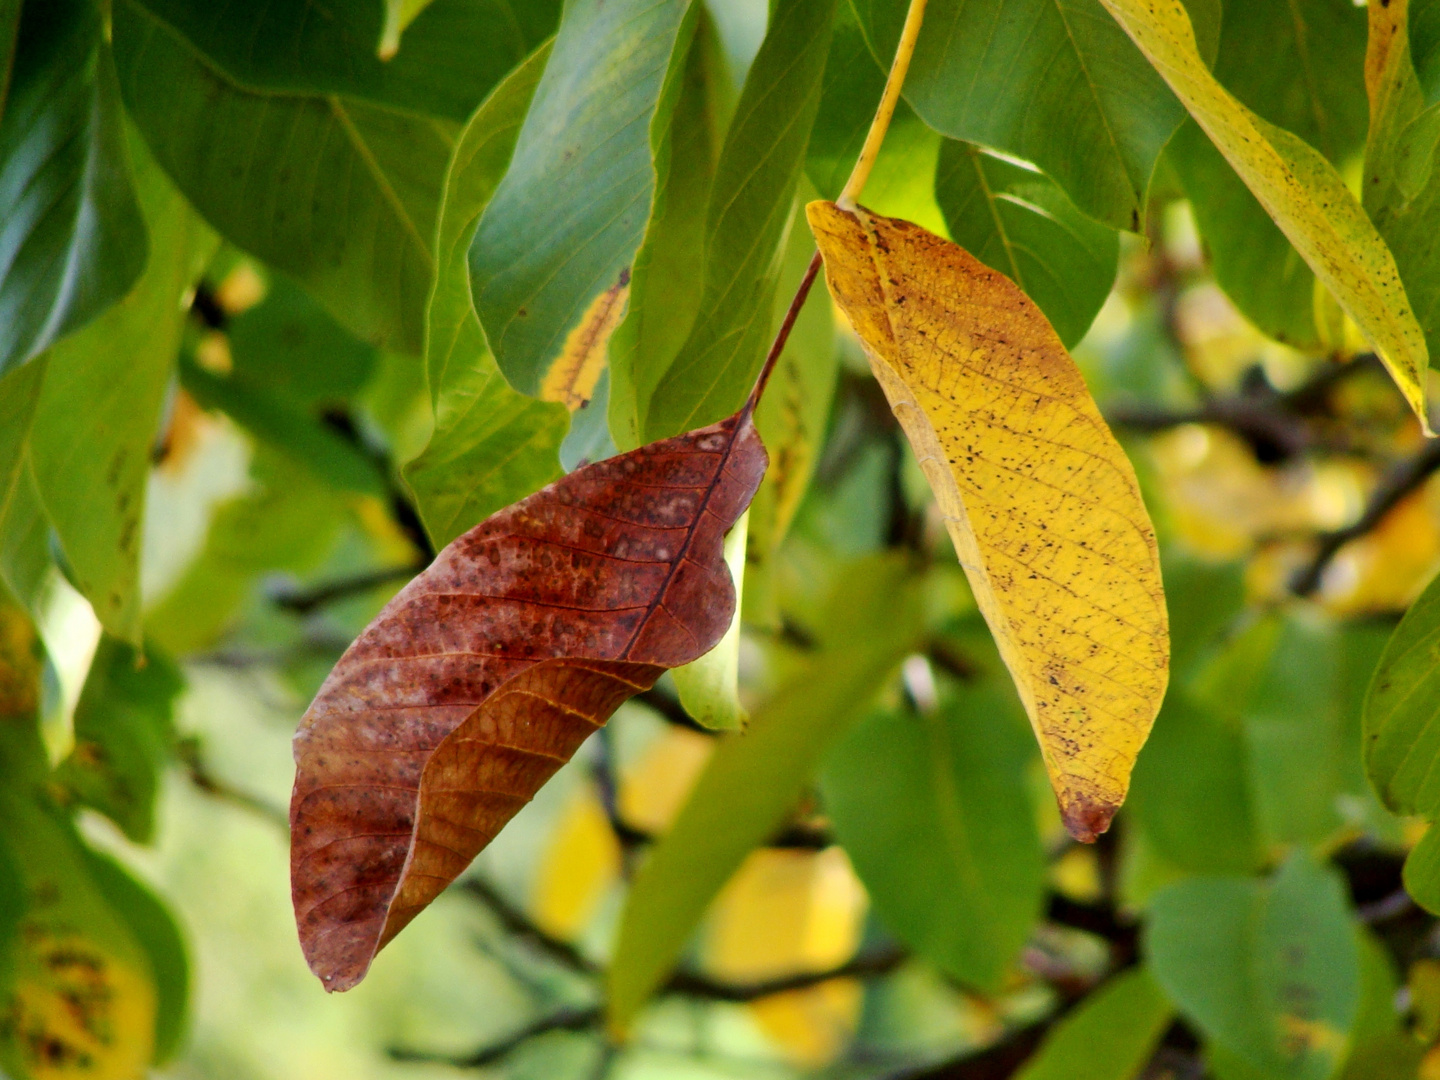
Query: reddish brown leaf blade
[485, 674]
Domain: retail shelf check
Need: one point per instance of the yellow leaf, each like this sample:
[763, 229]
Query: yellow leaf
[1040, 500]
[652, 793]
[1298, 188]
[573, 374]
[582, 863]
[812, 1025]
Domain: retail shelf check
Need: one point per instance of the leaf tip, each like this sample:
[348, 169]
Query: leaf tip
[1086, 818]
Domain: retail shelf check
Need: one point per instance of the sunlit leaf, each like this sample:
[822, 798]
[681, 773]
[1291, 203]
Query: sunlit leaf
[709, 687]
[1017, 220]
[1298, 188]
[582, 173]
[745, 224]
[1044, 511]
[491, 444]
[74, 239]
[1050, 81]
[1402, 188]
[1299, 66]
[91, 476]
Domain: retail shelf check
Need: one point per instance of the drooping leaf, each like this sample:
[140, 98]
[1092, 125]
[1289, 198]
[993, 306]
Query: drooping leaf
[669, 269]
[745, 225]
[91, 476]
[1054, 82]
[398, 15]
[1044, 511]
[455, 51]
[564, 223]
[755, 778]
[124, 735]
[1402, 187]
[1300, 67]
[252, 161]
[1016, 220]
[491, 444]
[1298, 188]
[73, 239]
[1402, 738]
[935, 805]
[485, 673]
[709, 687]
[1268, 970]
[1110, 1036]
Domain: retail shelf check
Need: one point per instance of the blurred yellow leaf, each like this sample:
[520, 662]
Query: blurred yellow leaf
[1040, 500]
[1298, 188]
[654, 789]
[580, 865]
[1385, 569]
[788, 912]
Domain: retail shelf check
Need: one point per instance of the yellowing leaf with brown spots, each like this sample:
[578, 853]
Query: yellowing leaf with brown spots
[573, 374]
[1040, 501]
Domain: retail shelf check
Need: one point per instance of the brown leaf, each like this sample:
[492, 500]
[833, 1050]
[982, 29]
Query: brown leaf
[485, 674]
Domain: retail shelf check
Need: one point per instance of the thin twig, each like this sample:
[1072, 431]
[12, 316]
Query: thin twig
[1405, 477]
[783, 334]
[519, 924]
[569, 1019]
[304, 601]
[187, 751]
[865, 966]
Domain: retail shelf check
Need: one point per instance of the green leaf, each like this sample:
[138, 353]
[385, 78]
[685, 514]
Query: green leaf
[1293, 688]
[456, 51]
[91, 476]
[1300, 66]
[287, 521]
[12, 910]
[669, 270]
[124, 734]
[491, 445]
[73, 239]
[24, 533]
[75, 946]
[934, 813]
[1267, 970]
[563, 226]
[710, 686]
[286, 425]
[159, 936]
[1015, 219]
[1109, 1036]
[754, 779]
[1402, 737]
[1189, 791]
[791, 418]
[289, 345]
[266, 167]
[398, 15]
[1254, 263]
[1402, 188]
[745, 226]
[1382, 1049]
[1299, 189]
[1054, 82]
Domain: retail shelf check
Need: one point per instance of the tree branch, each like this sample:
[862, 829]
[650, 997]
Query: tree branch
[304, 601]
[1405, 477]
[568, 1019]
